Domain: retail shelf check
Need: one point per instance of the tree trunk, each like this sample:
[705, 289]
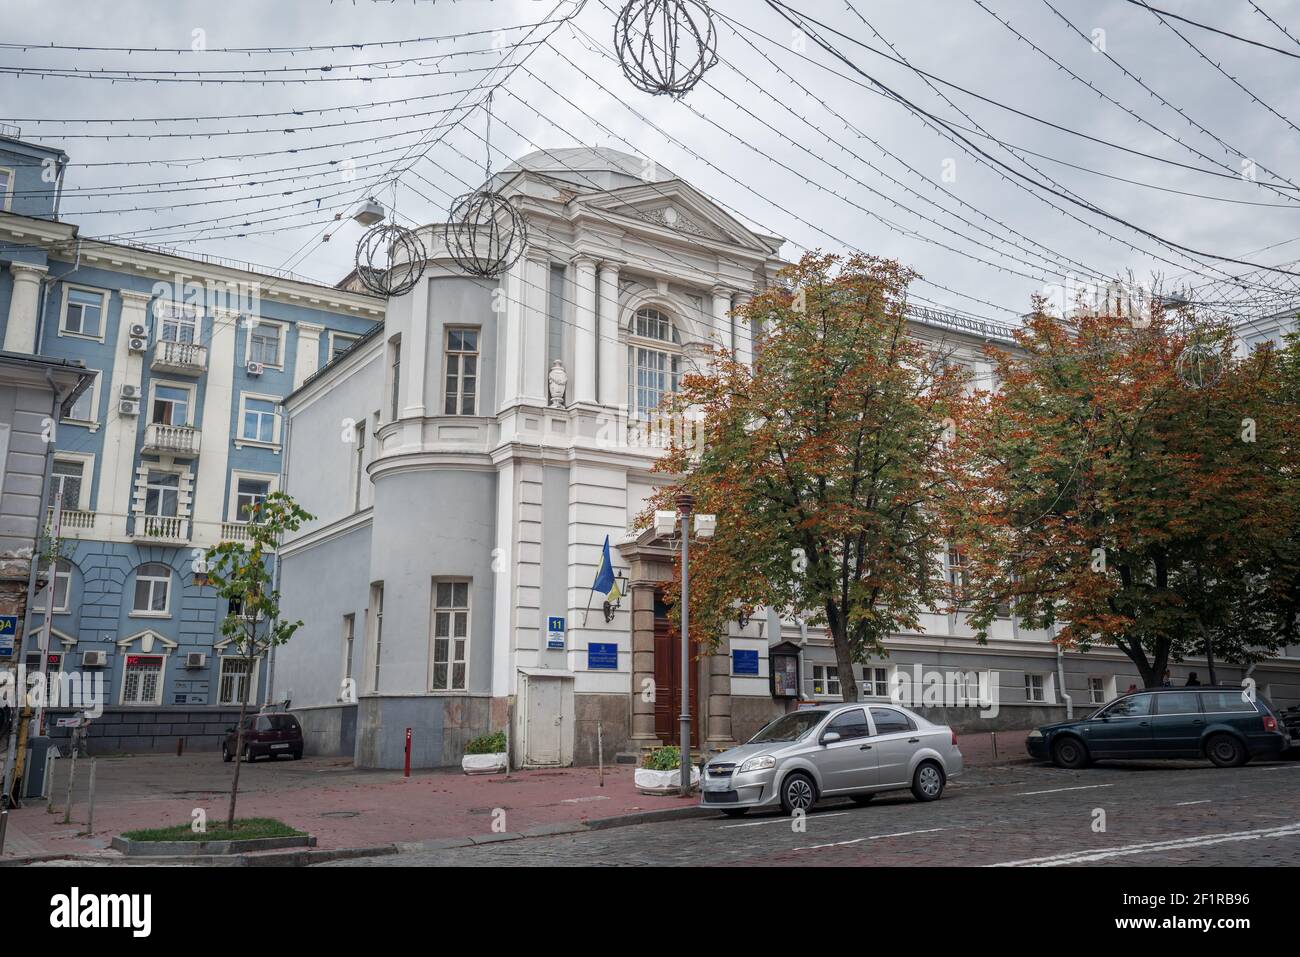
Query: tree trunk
[1209, 654]
[844, 663]
[239, 747]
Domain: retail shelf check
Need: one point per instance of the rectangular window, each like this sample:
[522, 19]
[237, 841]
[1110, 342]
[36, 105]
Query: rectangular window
[6, 187]
[178, 323]
[260, 422]
[84, 313]
[1219, 702]
[1035, 689]
[62, 586]
[877, 681]
[653, 375]
[72, 473]
[340, 342]
[1097, 690]
[264, 344]
[826, 680]
[377, 603]
[142, 682]
[235, 673]
[171, 405]
[462, 372]
[162, 494]
[249, 493]
[359, 463]
[83, 410]
[958, 577]
[395, 377]
[349, 638]
[153, 584]
[450, 635]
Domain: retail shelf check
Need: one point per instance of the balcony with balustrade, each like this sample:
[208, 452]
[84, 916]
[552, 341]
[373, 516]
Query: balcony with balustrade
[179, 358]
[73, 523]
[160, 528]
[160, 439]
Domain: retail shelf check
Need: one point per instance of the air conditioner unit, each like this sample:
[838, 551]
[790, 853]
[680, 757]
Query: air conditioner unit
[196, 659]
[255, 368]
[128, 406]
[94, 659]
[138, 331]
[130, 391]
[137, 344]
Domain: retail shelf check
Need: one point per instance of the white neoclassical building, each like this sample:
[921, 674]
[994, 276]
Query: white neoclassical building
[466, 460]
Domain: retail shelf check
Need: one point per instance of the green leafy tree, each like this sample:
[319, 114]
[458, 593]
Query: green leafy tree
[820, 461]
[241, 573]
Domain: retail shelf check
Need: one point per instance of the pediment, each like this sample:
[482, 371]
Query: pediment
[678, 207]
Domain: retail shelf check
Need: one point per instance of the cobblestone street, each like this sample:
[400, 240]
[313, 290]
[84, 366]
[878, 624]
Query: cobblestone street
[1171, 814]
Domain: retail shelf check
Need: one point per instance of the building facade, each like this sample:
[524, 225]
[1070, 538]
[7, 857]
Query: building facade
[179, 432]
[467, 462]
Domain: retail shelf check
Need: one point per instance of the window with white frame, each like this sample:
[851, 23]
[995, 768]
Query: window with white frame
[153, 585]
[349, 641]
[958, 576]
[162, 491]
[249, 493]
[1097, 690]
[62, 587]
[171, 405]
[461, 390]
[83, 312]
[86, 407]
[654, 361]
[142, 679]
[1035, 688]
[450, 635]
[74, 474]
[235, 674]
[377, 644]
[178, 322]
[826, 680]
[265, 343]
[340, 342]
[259, 420]
[358, 462]
[6, 188]
[877, 681]
[394, 377]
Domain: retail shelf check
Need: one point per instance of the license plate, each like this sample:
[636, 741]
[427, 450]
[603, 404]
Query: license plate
[274, 746]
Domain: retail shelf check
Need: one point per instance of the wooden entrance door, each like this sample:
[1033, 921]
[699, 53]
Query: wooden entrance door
[668, 681]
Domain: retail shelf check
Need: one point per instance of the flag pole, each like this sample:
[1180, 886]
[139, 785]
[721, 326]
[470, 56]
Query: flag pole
[588, 611]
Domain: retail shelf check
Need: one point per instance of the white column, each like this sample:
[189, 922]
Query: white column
[307, 360]
[536, 296]
[24, 304]
[415, 352]
[607, 348]
[584, 338]
[720, 334]
[743, 332]
[117, 470]
[510, 329]
[219, 402]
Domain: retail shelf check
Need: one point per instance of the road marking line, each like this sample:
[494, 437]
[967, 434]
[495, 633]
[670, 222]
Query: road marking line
[782, 820]
[1083, 787]
[1190, 803]
[1205, 840]
[1280, 767]
[876, 837]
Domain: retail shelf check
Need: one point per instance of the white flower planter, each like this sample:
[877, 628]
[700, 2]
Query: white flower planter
[483, 763]
[662, 782]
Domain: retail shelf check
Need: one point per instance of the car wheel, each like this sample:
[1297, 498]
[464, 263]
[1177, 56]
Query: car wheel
[248, 755]
[861, 798]
[297, 755]
[1070, 752]
[1225, 751]
[927, 782]
[798, 793]
[735, 811]
[225, 754]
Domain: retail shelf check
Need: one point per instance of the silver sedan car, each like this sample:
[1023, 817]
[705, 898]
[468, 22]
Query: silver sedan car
[844, 750]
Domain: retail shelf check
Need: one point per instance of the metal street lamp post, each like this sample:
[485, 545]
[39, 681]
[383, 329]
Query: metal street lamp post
[685, 502]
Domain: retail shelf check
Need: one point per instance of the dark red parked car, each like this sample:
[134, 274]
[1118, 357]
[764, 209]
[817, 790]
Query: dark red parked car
[266, 734]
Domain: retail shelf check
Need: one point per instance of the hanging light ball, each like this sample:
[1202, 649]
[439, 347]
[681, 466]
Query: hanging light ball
[390, 259]
[665, 46]
[1200, 364]
[485, 234]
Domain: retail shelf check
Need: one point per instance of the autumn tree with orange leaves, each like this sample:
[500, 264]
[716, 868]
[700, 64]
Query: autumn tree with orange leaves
[1133, 484]
[821, 462]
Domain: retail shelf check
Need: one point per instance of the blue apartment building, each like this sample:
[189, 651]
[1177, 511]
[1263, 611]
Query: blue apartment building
[180, 432]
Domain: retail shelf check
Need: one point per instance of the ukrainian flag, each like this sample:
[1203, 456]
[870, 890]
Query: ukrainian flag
[604, 583]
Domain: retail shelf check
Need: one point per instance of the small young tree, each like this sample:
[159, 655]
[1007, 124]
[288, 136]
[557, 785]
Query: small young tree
[241, 574]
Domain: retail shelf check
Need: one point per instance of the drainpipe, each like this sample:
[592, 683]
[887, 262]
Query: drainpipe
[1060, 681]
[46, 282]
[58, 188]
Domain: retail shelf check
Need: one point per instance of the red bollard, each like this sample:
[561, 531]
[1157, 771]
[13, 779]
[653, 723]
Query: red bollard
[407, 772]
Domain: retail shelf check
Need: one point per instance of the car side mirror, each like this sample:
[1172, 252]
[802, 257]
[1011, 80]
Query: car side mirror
[830, 737]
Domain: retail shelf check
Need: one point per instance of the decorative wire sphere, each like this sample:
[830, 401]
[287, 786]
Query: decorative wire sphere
[1200, 364]
[485, 234]
[665, 46]
[382, 254]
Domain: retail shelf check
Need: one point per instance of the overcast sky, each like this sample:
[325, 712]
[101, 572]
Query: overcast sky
[793, 167]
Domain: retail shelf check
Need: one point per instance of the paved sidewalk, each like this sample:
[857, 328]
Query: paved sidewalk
[349, 808]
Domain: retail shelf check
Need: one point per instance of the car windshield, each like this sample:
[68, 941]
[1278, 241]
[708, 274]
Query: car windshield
[790, 727]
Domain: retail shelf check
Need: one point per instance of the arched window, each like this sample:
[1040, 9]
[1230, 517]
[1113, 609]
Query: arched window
[153, 585]
[654, 361]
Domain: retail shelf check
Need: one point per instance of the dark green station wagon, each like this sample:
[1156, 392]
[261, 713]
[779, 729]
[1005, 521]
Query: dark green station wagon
[1225, 724]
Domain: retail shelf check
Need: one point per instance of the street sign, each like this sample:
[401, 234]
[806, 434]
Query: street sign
[744, 662]
[8, 634]
[555, 629]
[602, 656]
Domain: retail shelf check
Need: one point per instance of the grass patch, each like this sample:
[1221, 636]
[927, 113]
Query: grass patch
[245, 829]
